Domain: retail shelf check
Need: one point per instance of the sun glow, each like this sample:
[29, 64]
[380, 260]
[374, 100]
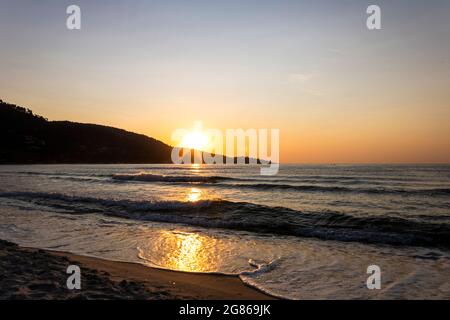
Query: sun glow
[194, 195]
[194, 140]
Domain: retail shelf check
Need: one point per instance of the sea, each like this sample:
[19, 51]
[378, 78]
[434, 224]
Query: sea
[309, 232]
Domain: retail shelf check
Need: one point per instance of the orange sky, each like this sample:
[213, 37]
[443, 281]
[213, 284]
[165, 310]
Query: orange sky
[338, 92]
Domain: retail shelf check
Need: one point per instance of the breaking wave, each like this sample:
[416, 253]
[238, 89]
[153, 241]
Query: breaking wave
[244, 216]
[248, 277]
[147, 177]
[338, 189]
[308, 185]
[221, 181]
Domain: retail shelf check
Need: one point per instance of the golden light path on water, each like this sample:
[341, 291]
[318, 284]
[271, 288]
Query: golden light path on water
[184, 251]
[195, 168]
[194, 195]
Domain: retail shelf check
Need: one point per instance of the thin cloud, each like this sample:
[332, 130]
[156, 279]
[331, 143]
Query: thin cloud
[303, 77]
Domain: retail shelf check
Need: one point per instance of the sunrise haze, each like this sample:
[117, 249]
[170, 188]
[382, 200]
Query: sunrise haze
[338, 92]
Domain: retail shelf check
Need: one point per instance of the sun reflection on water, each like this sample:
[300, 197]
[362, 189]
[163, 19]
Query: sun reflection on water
[183, 251]
[194, 195]
[195, 168]
[188, 246]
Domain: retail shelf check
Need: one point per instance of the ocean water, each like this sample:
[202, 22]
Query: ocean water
[309, 232]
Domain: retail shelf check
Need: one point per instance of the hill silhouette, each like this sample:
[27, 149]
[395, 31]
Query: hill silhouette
[28, 138]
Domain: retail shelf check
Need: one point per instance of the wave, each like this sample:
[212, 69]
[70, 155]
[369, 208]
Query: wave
[58, 174]
[339, 189]
[244, 216]
[261, 268]
[248, 277]
[147, 177]
[233, 182]
[256, 183]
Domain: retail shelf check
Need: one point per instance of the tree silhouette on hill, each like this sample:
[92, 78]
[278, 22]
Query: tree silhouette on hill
[29, 138]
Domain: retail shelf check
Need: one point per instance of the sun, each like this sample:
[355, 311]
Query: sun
[194, 140]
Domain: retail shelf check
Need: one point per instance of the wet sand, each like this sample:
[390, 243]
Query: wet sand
[27, 273]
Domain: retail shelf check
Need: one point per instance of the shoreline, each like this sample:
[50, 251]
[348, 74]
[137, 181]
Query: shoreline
[29, 273]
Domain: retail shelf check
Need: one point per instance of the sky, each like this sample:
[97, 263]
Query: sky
[338, 92]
